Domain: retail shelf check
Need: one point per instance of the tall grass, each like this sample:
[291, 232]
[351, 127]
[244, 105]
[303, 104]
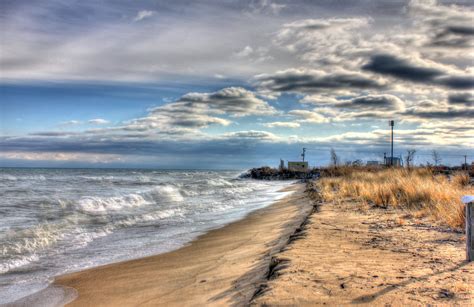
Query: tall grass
[436, 196]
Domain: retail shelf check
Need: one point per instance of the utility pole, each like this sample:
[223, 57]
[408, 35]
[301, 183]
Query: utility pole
[465, 162]
[391, 123]
[304, 153]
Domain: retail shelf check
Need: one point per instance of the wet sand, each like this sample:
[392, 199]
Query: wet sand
[222, 267]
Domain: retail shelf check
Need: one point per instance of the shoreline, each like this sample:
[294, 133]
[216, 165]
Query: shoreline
[226, 265]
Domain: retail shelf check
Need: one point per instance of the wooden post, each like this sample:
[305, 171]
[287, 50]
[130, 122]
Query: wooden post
[470, 231]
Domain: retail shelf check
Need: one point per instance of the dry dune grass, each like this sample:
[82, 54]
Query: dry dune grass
[435, 196]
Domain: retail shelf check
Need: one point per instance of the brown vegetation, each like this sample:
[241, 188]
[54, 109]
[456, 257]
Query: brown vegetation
[417, 190]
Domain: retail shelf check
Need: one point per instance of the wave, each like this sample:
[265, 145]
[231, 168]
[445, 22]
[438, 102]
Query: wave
[7, 177]
[95, 204]
[30, 239]
[100, 205]
[12, 264]
[86, 211]
[119, 180]
[25, 246]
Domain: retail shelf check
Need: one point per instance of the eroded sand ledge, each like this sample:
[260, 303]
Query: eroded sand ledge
[222, 267]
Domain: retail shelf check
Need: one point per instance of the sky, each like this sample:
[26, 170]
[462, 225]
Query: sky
[233, 84]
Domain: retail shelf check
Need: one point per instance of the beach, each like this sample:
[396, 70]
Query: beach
[111, 216]
[298, 251]
[222, 267]
[349, 254]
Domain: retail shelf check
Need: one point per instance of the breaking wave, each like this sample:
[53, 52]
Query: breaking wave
[159, 194]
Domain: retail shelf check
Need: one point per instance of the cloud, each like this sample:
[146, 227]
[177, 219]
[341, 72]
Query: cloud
[311, 81]
[427, 109]
[442, 114]
[54, 133]
[265, 7]
[456, 82]
[235, 101]
[309, 116]
[194, 111]
[383, 102]
[466, 99]
[282, 125]
[323, 40]
[143, 15]
[369, 106]
[71, 123]
[413, 66]
[244, 52]
[391, 65]
[62, 156]
[251, 134]
[445, 26]
[98, 121]
[399, 68]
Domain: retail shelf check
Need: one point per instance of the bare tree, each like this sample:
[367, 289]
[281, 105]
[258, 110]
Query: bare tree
[410, 157]
[436, 157]
[334, 158]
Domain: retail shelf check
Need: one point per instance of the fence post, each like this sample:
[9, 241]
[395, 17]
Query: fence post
[470, 231]
[469, 201]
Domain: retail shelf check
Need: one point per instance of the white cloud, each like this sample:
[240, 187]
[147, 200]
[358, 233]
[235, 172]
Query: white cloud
[185, 117]
[265, 7]
[309, 116]
[282, 125]
[62, 156]
[98, 121]
[244, 52]
[143, 15]
[71, 123]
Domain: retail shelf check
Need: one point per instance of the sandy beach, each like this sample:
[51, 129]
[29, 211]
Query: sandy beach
[223, 267]
[297, 251]
[347, 254]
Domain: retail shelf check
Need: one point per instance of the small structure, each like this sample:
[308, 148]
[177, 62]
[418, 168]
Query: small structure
[299, 166]
[372, 163]
[396, 161]
[282, 164]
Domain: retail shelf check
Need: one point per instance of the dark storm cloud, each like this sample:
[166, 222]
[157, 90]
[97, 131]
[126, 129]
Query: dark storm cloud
[374, 102]
[456, 82]
[461, 30]
[446, 114]
[391, 65]
[402, 69]
[454, 36]
[310, 81]
[466, 99]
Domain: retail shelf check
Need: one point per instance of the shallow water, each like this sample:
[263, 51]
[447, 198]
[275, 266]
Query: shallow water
[62, 220]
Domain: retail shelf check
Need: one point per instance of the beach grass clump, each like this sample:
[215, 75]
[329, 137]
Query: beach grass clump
[431, 195]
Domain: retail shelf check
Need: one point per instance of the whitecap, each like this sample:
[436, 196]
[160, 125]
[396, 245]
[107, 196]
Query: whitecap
[11, 264]
[94, 204]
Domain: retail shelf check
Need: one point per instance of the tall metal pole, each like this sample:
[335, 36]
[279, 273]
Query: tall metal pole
[465, 161]
[392, 123]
